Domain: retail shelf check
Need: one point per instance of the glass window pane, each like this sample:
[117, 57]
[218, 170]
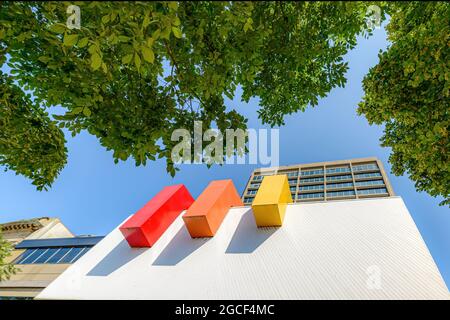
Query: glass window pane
[86, 249]
[61, 253]
[24, 255]
[72, 254]
[33, 256]
[43, 258]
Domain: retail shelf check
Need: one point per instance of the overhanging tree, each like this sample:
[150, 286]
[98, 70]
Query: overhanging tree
[409, 92]
[136, 71]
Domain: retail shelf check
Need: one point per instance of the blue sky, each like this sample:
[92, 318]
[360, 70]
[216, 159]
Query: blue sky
[93, 195]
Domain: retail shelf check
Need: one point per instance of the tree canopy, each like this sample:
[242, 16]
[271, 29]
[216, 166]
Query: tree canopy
[135, 71]
[409, 92]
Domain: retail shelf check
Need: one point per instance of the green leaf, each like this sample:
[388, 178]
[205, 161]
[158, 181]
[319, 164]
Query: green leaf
[83, 42]
[44, 59]
[127, 59]
[173, 5]
[58, 28]
[148, 54]
[156, 34]
[165, 34]
[123, 38]
[137, 61]
[105, 19]
[77, 110]
[87, 112]
[70, 39]
[96, 61]
[176, 32]
[146, 21]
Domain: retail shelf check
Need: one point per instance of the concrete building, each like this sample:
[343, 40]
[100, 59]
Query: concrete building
[324, 181]
[43, 249]
[361, 246]
[37, 228]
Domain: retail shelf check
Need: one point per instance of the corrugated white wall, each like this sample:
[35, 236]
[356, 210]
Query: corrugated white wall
[355, 249]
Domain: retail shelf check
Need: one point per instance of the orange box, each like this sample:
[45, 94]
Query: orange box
[206, 214]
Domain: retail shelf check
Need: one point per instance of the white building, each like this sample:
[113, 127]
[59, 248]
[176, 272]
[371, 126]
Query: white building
[348, 249]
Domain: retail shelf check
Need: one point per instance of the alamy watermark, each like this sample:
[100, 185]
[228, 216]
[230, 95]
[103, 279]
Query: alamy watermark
[74, 20]
[213, 153]
[373, 281]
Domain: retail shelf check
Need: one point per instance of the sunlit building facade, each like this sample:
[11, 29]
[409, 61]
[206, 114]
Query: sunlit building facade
[325, 181]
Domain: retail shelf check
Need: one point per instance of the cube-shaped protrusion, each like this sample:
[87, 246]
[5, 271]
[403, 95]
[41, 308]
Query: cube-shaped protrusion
[205, 215]
[147, 225]
[269, 205]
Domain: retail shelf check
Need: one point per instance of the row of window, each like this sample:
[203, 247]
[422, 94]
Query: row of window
[340, 178]
[367, 175]
[373, 191]
[308, 180]
[313, 187]
[332, 194]
[363, 167]
[51, 255]
[255, 185]
[339, 185]
[369, 183]
[331, 170]
[311, 172]
[311, 195]
[330, 186]
[340, 193]
[339, 170]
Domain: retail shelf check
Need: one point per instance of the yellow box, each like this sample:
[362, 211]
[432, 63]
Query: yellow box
[269, 205]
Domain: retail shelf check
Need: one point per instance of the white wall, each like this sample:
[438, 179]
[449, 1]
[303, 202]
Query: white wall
[326, 250]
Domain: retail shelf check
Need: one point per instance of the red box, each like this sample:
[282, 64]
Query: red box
[147, 225]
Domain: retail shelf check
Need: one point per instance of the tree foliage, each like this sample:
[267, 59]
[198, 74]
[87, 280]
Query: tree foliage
[6, 269]
[135, 71]
[409, 92]
[30, 143]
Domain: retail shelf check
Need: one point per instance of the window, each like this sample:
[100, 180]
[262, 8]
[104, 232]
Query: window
[339, 185]
[293, 189]
[339, 178]
[308, 180]
[311, 172]
[338, 170]
[248, 200]
[370, 183]
[373, 191]
[71, 255]
[25, 255]
[367, 175]
[257, 178]
[333, 194]
[32, 256]
[251, 192]
[46, 255]
[255, 185]
[313, 187]
[310, 195]
[363, 167]
[52, 255]
[58, 255]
